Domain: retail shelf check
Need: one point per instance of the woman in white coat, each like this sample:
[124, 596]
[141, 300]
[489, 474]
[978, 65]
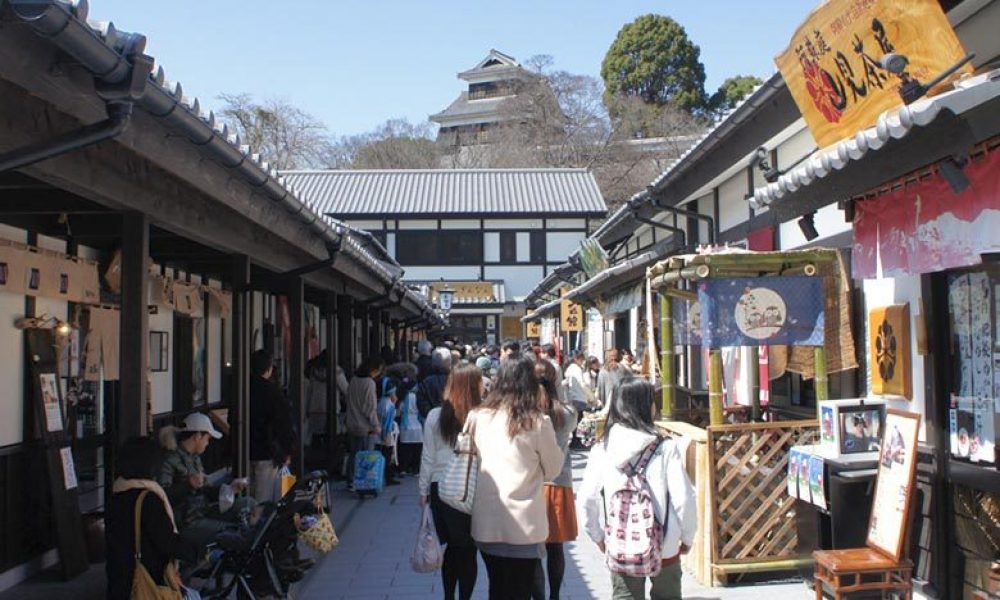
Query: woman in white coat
[630, 430]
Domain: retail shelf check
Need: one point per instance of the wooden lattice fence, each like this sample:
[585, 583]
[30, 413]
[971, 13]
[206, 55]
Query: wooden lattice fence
[752, 514]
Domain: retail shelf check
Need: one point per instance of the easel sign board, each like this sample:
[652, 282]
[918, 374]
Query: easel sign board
[894, 484]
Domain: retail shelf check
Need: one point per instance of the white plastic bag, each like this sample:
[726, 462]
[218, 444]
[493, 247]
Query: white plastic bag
[427, 554]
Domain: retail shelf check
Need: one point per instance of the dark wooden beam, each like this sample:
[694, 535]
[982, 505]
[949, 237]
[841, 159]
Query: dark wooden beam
[332, 393]
[296, 367]
[345, 333]
[242, 335]
[134, 327]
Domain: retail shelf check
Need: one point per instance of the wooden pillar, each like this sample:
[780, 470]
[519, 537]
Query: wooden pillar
[667, 377]
[345, 333]
[296, 367]
[715, 411]
[242, 323]
[366, 328]
[133, 413]
[822, 381]
[332, 351]
[755, 409]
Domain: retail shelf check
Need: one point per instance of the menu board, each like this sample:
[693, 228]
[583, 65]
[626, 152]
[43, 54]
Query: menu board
[894, 485]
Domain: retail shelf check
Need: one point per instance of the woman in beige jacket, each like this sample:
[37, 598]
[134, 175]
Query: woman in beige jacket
[518, 453]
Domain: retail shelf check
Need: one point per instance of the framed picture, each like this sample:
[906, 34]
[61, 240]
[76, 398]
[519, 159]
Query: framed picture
[860, 428]
[159, 351]
[894, 484]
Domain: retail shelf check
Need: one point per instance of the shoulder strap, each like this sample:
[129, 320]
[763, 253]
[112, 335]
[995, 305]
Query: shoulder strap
[639, 466]
[138, 523]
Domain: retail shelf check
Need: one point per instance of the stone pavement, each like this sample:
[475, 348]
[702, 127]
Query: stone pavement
[376, 536]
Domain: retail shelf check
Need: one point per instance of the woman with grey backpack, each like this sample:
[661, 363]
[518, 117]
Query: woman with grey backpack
[638, 502]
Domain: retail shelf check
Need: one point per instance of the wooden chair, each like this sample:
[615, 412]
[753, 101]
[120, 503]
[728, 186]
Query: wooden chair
[861, 570]
[881, 565]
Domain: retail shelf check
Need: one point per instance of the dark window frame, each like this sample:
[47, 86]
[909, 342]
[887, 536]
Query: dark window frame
[433, 247]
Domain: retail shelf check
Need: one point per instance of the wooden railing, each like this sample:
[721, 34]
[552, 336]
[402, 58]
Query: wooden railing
[753, 517]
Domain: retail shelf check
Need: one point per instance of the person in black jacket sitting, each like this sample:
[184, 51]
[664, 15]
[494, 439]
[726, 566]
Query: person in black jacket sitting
[137, 463]
[272, 435]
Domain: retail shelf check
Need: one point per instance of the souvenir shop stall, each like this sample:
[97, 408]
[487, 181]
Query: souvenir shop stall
[729, 298]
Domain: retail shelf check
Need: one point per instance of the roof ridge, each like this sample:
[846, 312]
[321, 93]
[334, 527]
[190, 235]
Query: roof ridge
[469, 170]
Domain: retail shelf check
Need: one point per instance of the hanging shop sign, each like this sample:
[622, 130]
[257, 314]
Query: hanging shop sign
[570, 315]
[832, 64]
[925, 227]
[595, 332]
[548, 331]
[534, 330]
[757, 311]
[466, 292]
[593, 258]
[889, 349]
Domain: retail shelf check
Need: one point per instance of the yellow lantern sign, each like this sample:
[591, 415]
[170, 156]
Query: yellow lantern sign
[838, 67]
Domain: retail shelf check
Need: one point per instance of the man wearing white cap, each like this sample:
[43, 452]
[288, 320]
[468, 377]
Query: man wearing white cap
[182, 476]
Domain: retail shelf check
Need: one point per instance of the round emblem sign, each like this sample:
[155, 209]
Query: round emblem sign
[760, 313]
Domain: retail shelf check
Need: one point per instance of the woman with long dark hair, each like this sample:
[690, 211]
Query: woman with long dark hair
[518, 453]
[629, 437]
[462, 394]
[559, 490]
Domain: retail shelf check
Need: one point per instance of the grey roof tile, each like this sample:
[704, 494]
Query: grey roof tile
[570, 192]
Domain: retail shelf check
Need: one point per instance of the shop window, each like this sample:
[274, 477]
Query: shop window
[975, 374]
[453, 247]
[508, 247]
[538, 246]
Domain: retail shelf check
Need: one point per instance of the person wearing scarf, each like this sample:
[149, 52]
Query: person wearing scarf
[137, 462]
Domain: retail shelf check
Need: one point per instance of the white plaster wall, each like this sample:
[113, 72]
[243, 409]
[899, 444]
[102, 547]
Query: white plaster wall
[367, 225]
[733, 208]
[525, 224]
[885, 292]
[829, 221]
[12, 374]
[566, 223]
[390, 244]
[417, 224]
[491, 247]
[799, 145]
[523, 246]
[447, 273]
[706, 206]
[559, 245]
[517, 280]
[162, 383]
[460, 224]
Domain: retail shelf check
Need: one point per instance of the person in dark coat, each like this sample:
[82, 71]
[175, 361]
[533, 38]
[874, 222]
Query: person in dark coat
[423, 361]
[430, 392]
[137, 463]
[272, 434]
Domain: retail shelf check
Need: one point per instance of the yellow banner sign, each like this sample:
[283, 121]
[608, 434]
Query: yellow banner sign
[571, 315]
[466, 292]
[534, 329]
[832, 65]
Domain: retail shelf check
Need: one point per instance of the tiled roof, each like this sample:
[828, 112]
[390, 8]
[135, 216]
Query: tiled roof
[892, 124]
[346, 194]
[463, 107]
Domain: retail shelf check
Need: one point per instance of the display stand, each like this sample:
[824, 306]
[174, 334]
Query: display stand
[880, 565]
[45, 395]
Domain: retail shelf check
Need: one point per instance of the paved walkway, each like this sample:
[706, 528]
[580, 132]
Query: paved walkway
[376, 536]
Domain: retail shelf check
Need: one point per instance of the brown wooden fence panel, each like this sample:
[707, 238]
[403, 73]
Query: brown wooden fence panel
[752, 513]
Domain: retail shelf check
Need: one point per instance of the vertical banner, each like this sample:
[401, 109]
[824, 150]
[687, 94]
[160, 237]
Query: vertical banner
[534, 329]
[686, 316]
[889, 350]
[832, 64]
[570, 315]
[755, 311]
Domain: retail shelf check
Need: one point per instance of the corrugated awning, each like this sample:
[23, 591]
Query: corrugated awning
[546, 309]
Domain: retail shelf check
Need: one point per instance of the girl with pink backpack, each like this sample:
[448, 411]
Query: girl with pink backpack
[638, 502]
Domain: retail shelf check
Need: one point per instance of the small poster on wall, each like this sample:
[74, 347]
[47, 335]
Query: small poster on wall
[894, 484]
[68, 468]
[972, 428]
[803, 477]
[816, 481]
[826, 425]
[50, 400]
[792, 479]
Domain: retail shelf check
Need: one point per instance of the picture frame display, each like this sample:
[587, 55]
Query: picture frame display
[894, 484]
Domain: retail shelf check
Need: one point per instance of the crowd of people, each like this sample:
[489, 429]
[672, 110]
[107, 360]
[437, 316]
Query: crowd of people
[520, 407]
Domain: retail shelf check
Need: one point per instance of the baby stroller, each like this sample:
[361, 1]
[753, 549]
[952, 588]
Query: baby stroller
[248, 559]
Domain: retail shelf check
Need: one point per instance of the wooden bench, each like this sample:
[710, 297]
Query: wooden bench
[861, 570]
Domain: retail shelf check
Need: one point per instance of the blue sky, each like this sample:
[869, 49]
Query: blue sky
[355, 64]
